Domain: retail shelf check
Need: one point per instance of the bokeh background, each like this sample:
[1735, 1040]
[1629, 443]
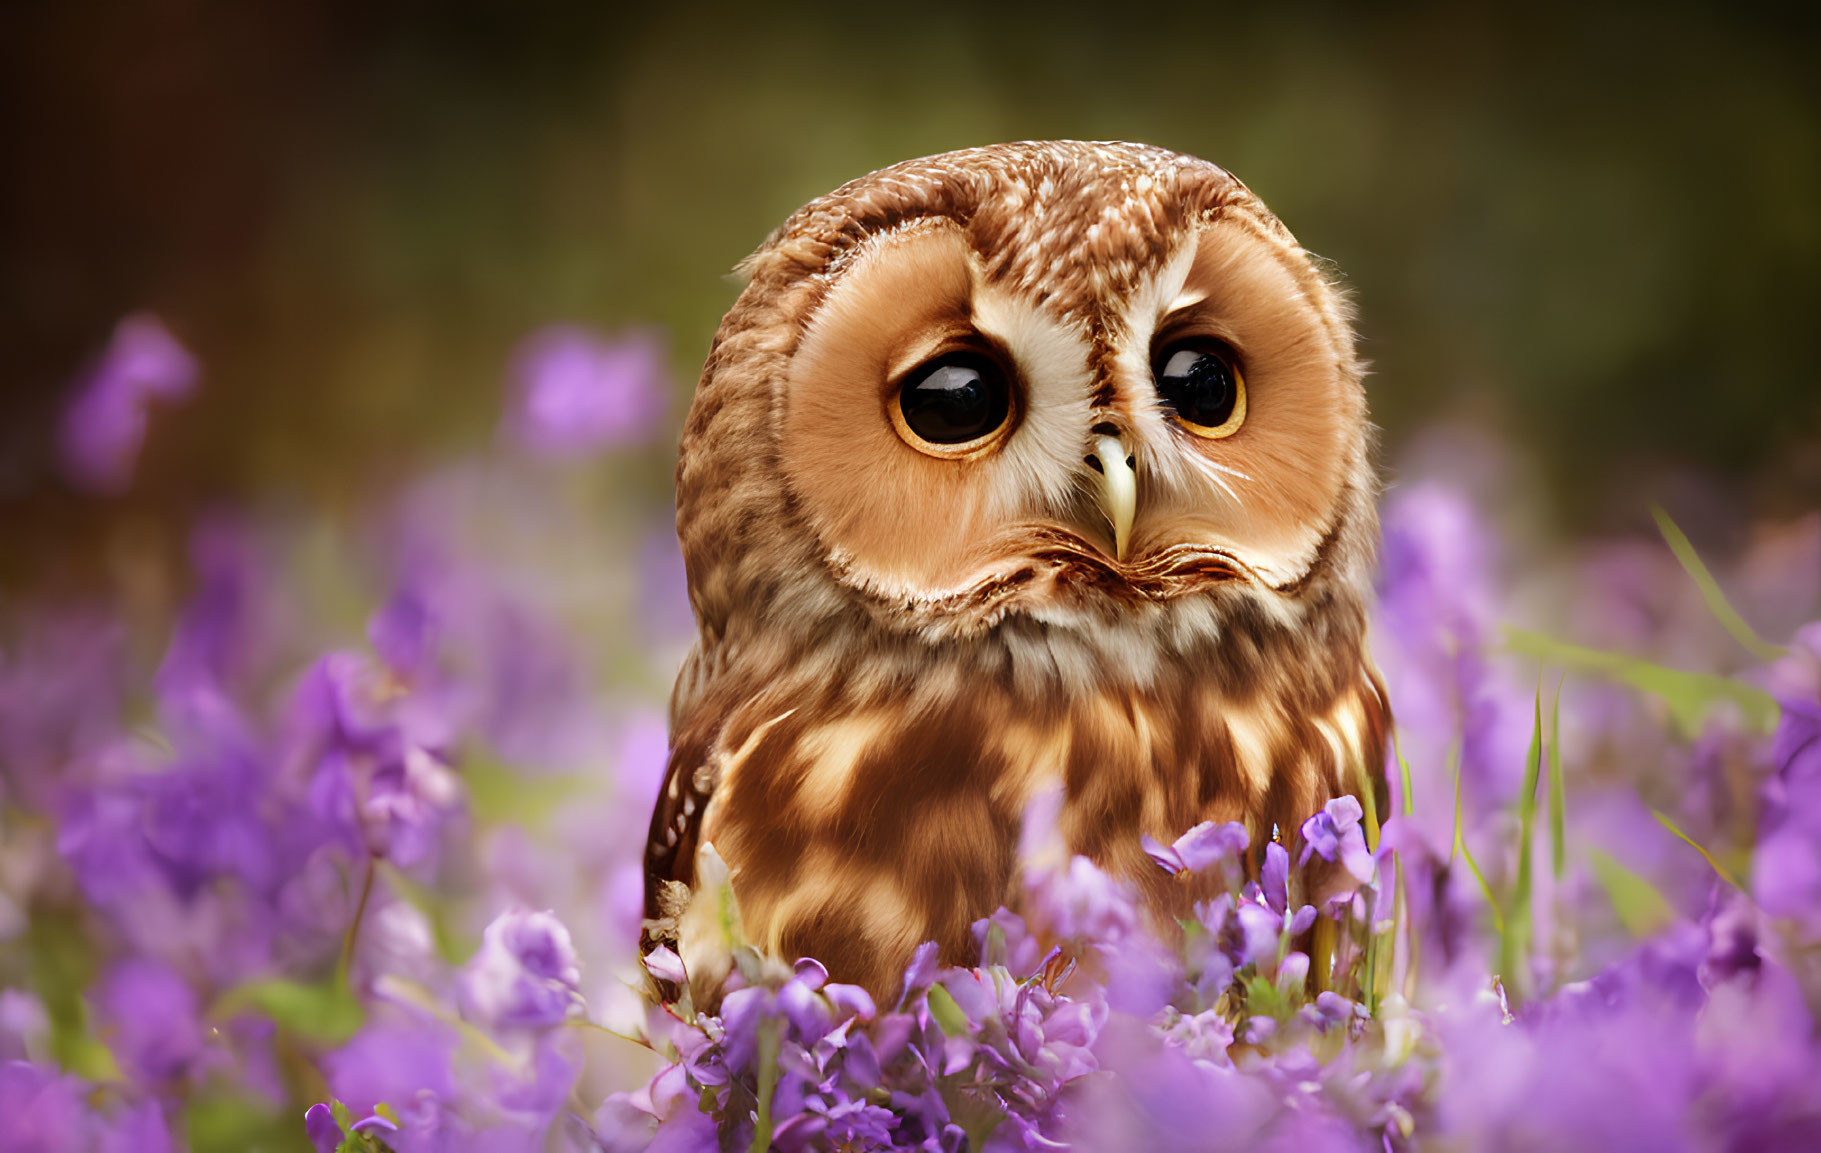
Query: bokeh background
[1594, 230]
[356, 658]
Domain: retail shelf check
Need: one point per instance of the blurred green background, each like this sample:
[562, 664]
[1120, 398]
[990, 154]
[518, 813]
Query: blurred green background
[1593, 229]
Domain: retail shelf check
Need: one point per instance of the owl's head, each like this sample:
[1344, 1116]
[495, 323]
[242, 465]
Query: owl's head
[1041, 385]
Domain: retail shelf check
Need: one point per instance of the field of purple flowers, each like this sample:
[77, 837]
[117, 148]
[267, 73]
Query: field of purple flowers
[347, 855]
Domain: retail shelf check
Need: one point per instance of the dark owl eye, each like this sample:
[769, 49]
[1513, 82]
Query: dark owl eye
[1201, 382]
[953, 402]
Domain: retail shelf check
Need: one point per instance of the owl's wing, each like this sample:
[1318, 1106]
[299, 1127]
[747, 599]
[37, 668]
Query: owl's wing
[676, 819]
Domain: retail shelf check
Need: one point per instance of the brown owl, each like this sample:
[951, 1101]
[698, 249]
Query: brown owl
[1022, 466]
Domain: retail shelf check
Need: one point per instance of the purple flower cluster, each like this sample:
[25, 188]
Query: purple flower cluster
[1024, 1052]
[290, 884]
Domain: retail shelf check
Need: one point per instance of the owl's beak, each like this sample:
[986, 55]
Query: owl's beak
[1118, 488]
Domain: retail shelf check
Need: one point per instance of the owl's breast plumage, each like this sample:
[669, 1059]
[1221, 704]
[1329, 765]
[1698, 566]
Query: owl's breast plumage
[859, 817]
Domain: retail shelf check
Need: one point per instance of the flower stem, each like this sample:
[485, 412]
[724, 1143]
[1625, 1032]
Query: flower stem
[345, 963]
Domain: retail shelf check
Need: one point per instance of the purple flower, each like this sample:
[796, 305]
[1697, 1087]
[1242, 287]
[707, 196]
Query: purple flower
[325, 1133]
[525, 975]
[104, 426]
[24, 1025]
[665, 965]
[854, 1124]
[1274, 879]
[137, 1128]
[1200, 847]
[577, 392]
[42, 1111]
[1335, 834]
[1084, 902]
[373, 1124]
[403, 633]
[1331, 1009]
[379, 776]
[152, 1017]
[1202, 1037]
[1261, 930]
[399, 1060]
[321, 1128]
[920, 973]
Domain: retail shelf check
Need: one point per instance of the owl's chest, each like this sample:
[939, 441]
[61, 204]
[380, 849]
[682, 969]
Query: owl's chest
[886, 827]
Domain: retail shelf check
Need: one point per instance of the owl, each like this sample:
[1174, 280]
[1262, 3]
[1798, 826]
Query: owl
[1031, 467]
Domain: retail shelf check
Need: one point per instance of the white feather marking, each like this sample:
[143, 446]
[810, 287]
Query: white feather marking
[1252, 742]
[738, 757]
[1041, 461]
[833, 750]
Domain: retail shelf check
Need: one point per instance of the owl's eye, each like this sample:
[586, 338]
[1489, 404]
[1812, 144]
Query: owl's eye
[1200, 380]
[954, 405]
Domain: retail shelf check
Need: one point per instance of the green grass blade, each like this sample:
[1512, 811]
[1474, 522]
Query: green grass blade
[1408, 798]
[1689, 696]
[1368, 797]
[1459, 844]
[1641, 908]
[1515, 942]
[1454, 768]
[1717, 603]
[1558, 790]
[1492, 901]
[1724, 875]
[770, 1044]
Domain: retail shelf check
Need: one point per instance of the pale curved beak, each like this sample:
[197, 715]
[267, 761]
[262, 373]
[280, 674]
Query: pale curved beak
[1118, 488]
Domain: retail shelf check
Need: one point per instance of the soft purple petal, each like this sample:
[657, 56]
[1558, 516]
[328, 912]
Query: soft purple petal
[666, 965]
[1166, 856]
[373, 1124]
[1354, 856]
[1261, 927]
[1302, 919]
[525, 974]
[155, 1019]
[321, 1129]
[1208, 843]
[921, 972]
[850, 1001]
[577, 392]
[811, 972]
[1275, 879]
[105, 424]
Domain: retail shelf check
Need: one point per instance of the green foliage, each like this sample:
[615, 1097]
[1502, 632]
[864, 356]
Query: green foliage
[325, 1011]
[1403, 776]
[1558, 791]
[1719, 869]
[769, 1044]
[947, 1013]
[1690, 697]
[220, 1120]
[1514, 937]
[1641, 908]
[1716, 600]
[452, 944]
[500, 793]
[60, 966]
[1459, 844]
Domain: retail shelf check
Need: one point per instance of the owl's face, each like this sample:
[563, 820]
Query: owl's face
[1060, 382]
